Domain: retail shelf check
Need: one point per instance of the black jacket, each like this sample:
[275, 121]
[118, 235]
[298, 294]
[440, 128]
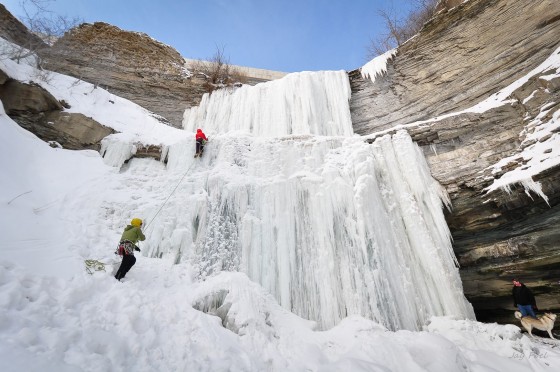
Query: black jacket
[523, 296]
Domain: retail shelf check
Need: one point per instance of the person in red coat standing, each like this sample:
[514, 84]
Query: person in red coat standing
[200, 142]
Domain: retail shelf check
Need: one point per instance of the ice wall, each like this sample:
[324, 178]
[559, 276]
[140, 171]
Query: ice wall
[327, 223]
[331, 226]
[300, 103]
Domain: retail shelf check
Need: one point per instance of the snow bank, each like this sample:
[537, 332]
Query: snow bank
[9, 50]
[502, 345]
[148, 323]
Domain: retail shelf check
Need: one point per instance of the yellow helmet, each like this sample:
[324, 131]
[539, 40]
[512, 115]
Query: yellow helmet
[137, 222]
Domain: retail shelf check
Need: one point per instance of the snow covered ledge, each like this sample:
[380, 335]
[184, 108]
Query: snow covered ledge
[117, 149]
[540, 147]
[539, 151]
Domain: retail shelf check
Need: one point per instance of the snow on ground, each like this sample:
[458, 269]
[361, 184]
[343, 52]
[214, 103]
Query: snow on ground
[148, 323]
[34, 183]
[56, 317]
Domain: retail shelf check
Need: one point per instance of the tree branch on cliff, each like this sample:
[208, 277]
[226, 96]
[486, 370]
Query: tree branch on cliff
[218, 72]
[399, 29]
[44, 27]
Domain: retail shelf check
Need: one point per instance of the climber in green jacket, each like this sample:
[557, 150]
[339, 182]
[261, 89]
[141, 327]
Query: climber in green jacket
[130, 236]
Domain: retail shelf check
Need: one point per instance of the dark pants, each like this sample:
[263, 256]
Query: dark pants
[199, 146]
[128, 261]
[526, 310]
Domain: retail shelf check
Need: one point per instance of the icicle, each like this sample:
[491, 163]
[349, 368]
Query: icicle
[330, 226]
[528, 185]
[377, 66]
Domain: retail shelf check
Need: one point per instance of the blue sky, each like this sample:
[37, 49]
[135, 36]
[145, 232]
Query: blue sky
[288, 35]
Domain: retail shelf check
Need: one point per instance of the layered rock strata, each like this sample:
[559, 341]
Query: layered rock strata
[460, 58]
[15, 32]
[129, 64]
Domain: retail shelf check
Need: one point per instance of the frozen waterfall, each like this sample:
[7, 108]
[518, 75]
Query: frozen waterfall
[302, 103]
[329, 225]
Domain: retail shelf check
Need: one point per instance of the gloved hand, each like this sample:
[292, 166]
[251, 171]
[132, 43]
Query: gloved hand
[535, 308]
[137, 249]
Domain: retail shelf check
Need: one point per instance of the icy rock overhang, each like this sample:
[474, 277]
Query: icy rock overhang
[539, 140]
[377, 66]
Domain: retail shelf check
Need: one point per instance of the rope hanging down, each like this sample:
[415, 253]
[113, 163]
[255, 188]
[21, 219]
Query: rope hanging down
[172, 192]
[94, 265]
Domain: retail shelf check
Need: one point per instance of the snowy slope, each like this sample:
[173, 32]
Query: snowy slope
[35, 181]
[56, 317]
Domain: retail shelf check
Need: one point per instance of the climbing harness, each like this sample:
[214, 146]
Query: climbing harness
[94, 265]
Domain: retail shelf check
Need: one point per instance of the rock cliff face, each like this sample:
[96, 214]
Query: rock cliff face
[460, 58]
[129, 64]
[134, 66]
[14, 31]
[39, 112]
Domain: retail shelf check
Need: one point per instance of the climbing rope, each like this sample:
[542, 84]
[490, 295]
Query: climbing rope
[94, 265]
[172, 192]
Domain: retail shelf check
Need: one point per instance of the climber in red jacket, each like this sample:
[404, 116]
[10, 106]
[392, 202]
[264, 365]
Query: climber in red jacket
[200, 142]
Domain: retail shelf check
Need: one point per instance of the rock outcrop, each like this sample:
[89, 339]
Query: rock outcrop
[15, 32]
[39, 112]
[460, 58]
[129, 64]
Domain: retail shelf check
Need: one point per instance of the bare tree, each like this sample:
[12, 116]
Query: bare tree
[218, 72]
[399, 29]
[44, 26]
